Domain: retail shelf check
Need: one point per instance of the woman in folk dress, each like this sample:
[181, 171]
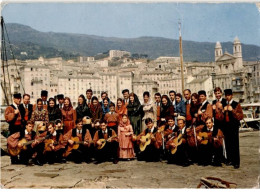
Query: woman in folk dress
[125, 132]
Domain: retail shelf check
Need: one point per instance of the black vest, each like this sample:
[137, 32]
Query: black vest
[74, 133]
[101, 136]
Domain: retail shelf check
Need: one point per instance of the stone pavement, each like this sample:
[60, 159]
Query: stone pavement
[134, 174]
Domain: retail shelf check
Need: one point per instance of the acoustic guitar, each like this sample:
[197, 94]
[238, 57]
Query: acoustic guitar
[17, 150]
[75, 145]
[177, 141]
[49, 143]
[104, 141]
[205, 138]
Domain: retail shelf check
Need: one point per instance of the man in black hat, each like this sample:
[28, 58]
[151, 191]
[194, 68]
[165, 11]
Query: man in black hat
[205, 110]
[60, 98]
[232, 115]
[14, 119]
[44, 96]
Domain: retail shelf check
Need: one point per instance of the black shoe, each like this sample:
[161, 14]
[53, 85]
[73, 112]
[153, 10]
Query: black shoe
[115, 161]
[236, 166]
[229, 163]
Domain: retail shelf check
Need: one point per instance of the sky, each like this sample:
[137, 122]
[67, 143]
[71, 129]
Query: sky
[200, 22]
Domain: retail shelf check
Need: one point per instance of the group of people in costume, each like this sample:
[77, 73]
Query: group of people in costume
[180, 128]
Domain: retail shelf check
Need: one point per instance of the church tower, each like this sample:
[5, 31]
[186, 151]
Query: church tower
[218, 51]
[237, 49]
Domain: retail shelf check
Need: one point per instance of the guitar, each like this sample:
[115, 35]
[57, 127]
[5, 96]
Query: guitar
[75, 145]
[49, 143]
[146, 139]
[177, 141]
[16, 151]
[103, 142]
[205, 138]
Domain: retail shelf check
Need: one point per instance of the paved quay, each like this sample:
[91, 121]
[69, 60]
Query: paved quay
[134, 174]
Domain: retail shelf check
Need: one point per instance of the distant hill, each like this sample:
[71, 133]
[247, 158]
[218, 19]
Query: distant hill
[68, 45]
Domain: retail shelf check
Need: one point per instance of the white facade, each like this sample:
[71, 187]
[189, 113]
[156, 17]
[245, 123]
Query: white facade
[118, 53]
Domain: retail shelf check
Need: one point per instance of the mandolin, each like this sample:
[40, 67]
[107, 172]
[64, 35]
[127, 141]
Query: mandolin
[16, 151]
[103, 142]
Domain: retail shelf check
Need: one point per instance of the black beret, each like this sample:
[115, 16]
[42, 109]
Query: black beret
[17, 95]
[44, 93]
[60, 96]
[202, 92]
[228, 92]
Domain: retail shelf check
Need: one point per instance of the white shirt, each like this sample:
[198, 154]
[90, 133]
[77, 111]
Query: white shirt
[14, 104]
[126, 100]
[204, 102]
[219, 99]
[189, 101]
[173, 102]
[79, 131]
[54, 133]
[230, 102]
[157, 104]
[172, 128]
[104, 132]
[26, 132]
[183, 130]
[210, 129]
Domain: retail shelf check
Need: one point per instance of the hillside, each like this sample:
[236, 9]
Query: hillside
[67, 45]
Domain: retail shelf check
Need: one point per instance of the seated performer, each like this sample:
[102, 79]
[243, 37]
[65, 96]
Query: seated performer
[79, 141]
[54, 145]
[210, 152]
[106, 143]
[152, 150]
[178, 142]
[20, 148]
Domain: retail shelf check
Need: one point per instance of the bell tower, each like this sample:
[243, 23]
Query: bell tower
[218, 51]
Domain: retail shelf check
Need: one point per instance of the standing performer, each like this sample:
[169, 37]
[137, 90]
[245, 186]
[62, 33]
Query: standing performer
[149, 110]
[54, 112]
[125, 93]
[205, 109]
[167, 110]
[112, 118]
[187, 95]
[180, 106]
[232, 114]
[68, 115]
[13, 116]
[26, 109]
[125, 132]
[95, 109]
[60, 98]
[89, 94]
[44, 96]
[218, 108]
[121, 108]
[39, 115]
[134, 113]
[157, 103]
